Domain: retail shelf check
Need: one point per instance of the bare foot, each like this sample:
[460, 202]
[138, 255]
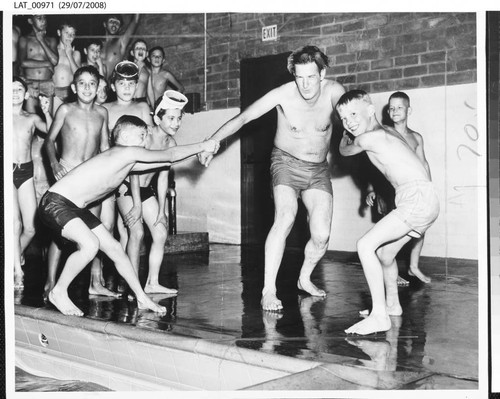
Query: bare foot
[46, 289]
[62, 302]
[158, 289]
[308, 286]
[98, 289]
[18, 280]
[271, 302]
[146, 303]
[402, 282]
[394, 310]
[370, 325]
[415, 272]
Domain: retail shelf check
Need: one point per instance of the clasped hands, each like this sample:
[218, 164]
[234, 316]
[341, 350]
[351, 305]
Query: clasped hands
[205, 156]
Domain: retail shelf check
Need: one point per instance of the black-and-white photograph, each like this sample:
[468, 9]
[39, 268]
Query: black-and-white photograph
[213, 203]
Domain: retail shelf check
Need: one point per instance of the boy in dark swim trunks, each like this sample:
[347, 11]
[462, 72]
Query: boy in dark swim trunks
[62, 208]
[24, 189]
[417, 205]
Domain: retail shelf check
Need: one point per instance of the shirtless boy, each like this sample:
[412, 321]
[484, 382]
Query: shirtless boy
[83, 129]
[124, 82]
[115, 44]
[93, 52]
[69, 61]
[25, 203]
[102, 91]
[168, 118]
[38, 55]
[160, 79]
[62, 207]
[298, 163]
[139, 54]
[417, 205]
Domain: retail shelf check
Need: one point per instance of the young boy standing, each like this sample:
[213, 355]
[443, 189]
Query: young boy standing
[25, 202]
[83, 129]
[168, 118]
[417, 205]
[160, 78]
[139, 54]
[69, 62]
[399, 110]
[124, 82]
[93, 52]
[62, 207]
[38, 56]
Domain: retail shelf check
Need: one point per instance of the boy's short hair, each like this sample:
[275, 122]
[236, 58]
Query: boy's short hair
[20, 80]
[157, 48]
[351, 95]
[118, 17]
[305, 55]
[87, 68]
[401, 95]
[93, 40]
[125, 121]
[139, 40]
[125, 70]
[67, 23]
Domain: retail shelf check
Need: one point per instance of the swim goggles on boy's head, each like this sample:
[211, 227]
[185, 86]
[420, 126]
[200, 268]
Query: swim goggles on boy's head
[171, 100]
[126, 70]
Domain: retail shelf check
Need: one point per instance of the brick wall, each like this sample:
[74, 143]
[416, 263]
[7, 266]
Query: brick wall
[378, 52]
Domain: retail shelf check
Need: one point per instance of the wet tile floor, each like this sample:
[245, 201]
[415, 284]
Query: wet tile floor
[219, 299]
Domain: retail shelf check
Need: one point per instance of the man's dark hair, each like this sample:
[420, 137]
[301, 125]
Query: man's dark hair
[305, 55]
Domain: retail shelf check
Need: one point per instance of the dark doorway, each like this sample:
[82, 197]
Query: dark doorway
[259, 76]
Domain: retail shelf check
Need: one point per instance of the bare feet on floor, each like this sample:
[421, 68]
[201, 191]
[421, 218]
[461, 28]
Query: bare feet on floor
[18, 280]
[308, 286]
[62, 302]
[98, 289]
[371, 324]
[271, 302]
[146, 303]
[402, 282]
[394, 310]
[158, 289]
[415, 272]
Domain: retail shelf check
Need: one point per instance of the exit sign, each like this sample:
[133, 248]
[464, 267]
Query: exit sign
[269, 33]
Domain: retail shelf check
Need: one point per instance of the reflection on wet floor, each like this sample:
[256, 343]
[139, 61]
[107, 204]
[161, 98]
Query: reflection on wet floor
[219, 300]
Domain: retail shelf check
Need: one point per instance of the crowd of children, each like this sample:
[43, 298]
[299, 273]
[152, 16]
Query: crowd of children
[108, 129]
[72, 95]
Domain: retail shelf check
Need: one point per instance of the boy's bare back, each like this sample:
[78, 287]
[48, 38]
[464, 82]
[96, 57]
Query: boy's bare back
[98, 176]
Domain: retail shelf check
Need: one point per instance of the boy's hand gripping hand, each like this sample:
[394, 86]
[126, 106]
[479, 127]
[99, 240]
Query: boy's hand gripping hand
[212, 146]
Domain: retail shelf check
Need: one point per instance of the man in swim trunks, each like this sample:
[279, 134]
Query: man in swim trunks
[417, 205]
[62, 207]
[38, 56]
[24, 202]
[302, 142]
[69, 62]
